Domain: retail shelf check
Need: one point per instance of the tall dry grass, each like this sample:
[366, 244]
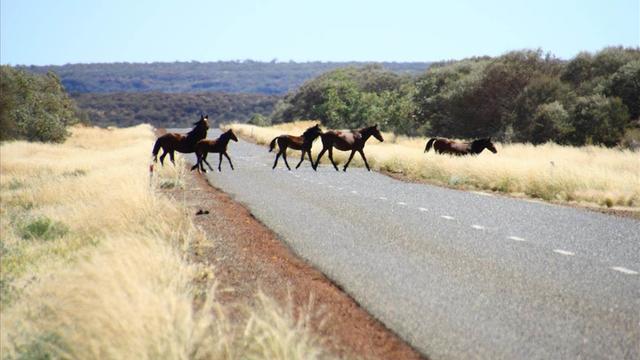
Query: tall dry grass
[591, 175]
[94, 262]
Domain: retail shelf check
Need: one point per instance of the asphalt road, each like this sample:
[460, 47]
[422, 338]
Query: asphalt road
[457, 274]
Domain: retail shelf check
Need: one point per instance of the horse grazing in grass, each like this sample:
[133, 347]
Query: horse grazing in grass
[446, 146]
[349, 140]
[219, 145]
[302, 143]
[171, 142]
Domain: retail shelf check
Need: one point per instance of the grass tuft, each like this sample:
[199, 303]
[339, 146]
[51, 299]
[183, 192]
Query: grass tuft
[43, 228]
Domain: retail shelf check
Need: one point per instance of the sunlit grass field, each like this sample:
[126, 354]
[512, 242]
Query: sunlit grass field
[590, 175]
[94, 262]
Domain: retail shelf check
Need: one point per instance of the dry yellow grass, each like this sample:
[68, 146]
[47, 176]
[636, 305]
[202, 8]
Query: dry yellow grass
[93, 262]
[589, 175]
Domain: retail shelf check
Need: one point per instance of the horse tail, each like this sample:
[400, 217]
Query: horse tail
[156, 149]
[273, 143]
[429, 143]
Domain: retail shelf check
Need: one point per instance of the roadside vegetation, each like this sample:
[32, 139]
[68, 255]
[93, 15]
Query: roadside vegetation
[589, 175]
[95, 262]
[523, 96]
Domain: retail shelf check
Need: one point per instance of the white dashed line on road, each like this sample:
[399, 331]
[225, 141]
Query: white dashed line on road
[477, 227]
[516, 238]
[447, 217]
[481, 193]
[354, 192]
[401, 203]
[423, 209]
[624, 270]
[382, 198]
[563, 252]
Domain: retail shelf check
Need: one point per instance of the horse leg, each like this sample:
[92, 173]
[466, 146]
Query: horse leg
[220, 163]
[228, 158]
[275, 163]
[315, 167]
[164, 154]
[364, 158]
[348, 161]
[284, 156]
[173, 161]
[198, 160]
[310, 159]
[301, 159]
[331, 158]
[204, 158]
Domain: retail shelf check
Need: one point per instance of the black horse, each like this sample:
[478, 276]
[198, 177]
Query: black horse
[171, 142]
[446, 146]
[219, 145]
[302, 143]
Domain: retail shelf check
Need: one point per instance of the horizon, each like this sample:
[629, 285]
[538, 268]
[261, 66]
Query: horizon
[43, 33]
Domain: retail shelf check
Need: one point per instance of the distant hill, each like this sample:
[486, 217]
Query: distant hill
[270, 78]
[172, 110]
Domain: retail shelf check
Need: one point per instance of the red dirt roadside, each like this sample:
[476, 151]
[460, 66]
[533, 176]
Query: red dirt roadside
[252, 258]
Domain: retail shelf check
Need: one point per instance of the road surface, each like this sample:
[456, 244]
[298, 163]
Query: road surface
[456, 274]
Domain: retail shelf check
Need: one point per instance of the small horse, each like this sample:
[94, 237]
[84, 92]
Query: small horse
[446, 146]
[219, 145]
[302, 143]
[353, 140]
[171, 142]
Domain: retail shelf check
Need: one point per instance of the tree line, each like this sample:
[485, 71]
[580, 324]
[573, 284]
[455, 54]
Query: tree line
[524, 96]
[172, 110]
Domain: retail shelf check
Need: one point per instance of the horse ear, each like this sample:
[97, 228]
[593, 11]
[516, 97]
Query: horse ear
[375, 126]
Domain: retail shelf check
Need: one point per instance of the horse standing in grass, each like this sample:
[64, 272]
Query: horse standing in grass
[219, 145]
[171, 142]
[353, 140]
[446, 146]
[302, 143]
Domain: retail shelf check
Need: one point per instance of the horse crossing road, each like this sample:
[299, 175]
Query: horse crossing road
[456, 274]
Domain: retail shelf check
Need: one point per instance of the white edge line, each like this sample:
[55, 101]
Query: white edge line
[516, 238]
[477, 227]
[447, 217]
[423, 209]
[402, 203]
[624, 270]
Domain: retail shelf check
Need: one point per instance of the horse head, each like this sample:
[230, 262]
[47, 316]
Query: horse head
[376, 133]
[312, 132]
[203, 122]
[231, 135]
[478, 145]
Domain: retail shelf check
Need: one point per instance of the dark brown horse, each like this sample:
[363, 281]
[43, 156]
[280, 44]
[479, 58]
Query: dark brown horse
[302, 143]
[171, 142]
[219, 145]
[352, 140]
[446, 146]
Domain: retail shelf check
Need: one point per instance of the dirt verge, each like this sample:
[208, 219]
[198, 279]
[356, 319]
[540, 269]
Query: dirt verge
[251, 257]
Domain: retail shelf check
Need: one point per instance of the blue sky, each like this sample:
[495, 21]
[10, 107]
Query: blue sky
[79, 31]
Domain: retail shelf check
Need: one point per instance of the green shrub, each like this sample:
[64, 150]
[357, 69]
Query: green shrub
[43, 228]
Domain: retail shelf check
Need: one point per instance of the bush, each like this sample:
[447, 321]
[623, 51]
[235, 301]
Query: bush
[598, 120]
[43, 228]
[34, 107]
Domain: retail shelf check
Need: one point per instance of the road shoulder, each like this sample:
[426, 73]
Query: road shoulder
[252, 258]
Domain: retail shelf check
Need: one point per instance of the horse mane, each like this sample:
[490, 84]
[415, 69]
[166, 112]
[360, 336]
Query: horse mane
[197, 133]
[311, 133]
